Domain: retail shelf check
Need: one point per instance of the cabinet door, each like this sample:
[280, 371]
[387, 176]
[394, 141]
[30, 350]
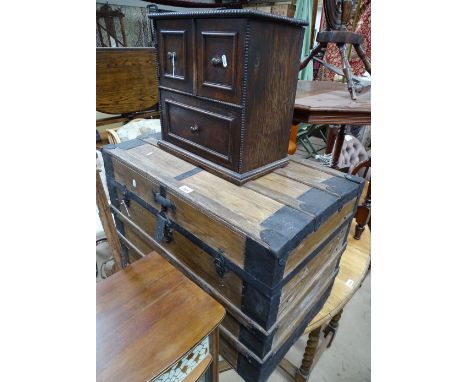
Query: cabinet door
[220, 56]
[175, 54]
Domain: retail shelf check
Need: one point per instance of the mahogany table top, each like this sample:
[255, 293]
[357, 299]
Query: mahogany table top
[329, 103]
[148, 316]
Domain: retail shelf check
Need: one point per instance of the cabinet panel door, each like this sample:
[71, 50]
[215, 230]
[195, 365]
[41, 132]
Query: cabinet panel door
[220, 56]
[175, 49]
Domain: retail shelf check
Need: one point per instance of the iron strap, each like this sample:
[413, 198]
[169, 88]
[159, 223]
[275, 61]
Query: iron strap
[217, 253]
[214, 253]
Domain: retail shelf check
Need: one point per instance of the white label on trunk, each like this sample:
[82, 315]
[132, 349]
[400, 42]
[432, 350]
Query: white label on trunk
[349, 283]
[133, 182]
[185, 189]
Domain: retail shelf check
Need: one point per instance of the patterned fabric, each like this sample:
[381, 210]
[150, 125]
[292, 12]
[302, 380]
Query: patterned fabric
[332, 56]
[179, 371]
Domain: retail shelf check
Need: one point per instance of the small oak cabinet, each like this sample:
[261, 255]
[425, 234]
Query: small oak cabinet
[227, 82]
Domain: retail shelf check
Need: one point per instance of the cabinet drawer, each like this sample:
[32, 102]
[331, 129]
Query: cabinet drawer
[208, 130]
[220, 52]
[175, 54]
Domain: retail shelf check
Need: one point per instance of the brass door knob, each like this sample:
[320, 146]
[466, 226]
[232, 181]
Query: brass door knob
[194, 129]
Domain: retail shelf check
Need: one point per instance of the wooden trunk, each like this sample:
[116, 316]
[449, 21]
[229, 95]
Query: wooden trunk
[227, 88]
[268, 250]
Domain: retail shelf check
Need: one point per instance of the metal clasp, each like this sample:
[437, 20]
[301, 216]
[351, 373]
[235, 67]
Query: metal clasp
[164, 229]
[220, 265]
[125, 200]
[160, 198]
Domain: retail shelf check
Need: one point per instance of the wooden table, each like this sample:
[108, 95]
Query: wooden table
[152, 321]
[354, 266]
[326, 102]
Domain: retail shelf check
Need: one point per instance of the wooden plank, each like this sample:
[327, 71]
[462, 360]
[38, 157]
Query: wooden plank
[152, 169]
[200, 223]
[149, 303]
[306, 275]
[169, 256]
[287, 326]
[305, 175]
[353, 266]
[188, 253]
[313, 240]
[245, 206]
[283, 190]
[108, 224]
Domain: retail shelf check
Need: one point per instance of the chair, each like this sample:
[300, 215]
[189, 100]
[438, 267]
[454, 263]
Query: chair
[306, 131]
[355, 160]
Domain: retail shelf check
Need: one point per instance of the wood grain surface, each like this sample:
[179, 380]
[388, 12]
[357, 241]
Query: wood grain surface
[228, 61]
[329, 102]
[354, 266]
[126, 80]
[147, 317]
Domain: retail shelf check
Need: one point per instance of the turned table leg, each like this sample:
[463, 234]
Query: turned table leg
[309, 354]
[332, 327]
[338, 146]
[363, 215]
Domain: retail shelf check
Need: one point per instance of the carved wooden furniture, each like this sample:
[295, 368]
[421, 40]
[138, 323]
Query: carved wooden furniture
[227, 88]
[322, 329]
[267, 250]
[328, 103]
[126, 84]
[154, 324]
[337, 14]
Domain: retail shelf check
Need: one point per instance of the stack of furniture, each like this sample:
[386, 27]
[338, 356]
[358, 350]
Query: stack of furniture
[216, 195]
[268, 251]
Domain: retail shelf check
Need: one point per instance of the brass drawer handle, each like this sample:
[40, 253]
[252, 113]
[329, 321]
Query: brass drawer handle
[216, 61]
[194, 129]
[171, 55]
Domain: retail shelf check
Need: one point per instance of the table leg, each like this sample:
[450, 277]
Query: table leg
[363, 214]
[338, 146]
[215, 353]
[332, 326]
[332, 131]
[363, 57]
[309, 354]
